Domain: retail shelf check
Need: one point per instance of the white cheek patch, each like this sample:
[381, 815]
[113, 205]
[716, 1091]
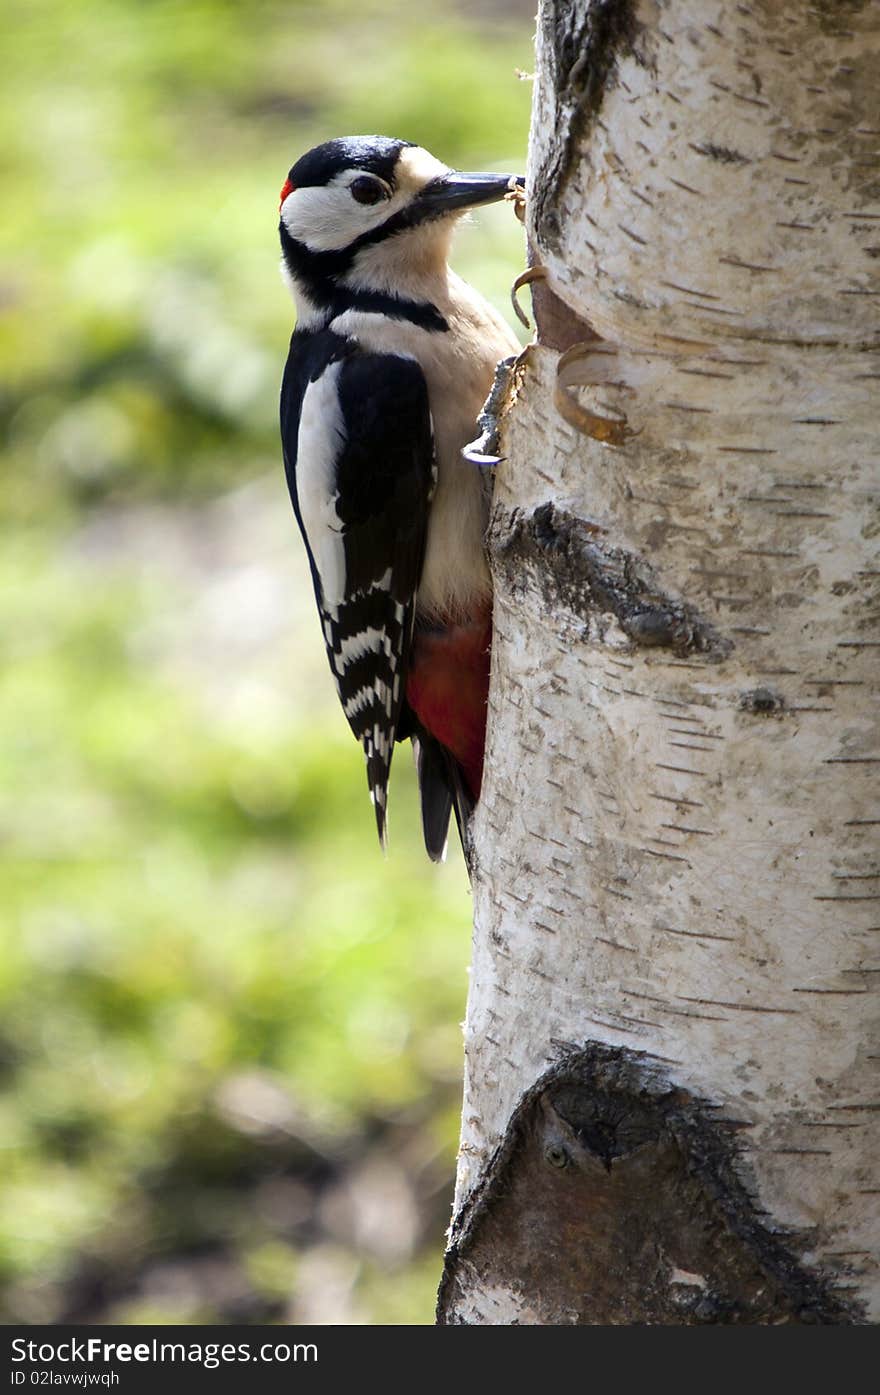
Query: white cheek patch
[325, 218]
[322, 217]
[321, 437]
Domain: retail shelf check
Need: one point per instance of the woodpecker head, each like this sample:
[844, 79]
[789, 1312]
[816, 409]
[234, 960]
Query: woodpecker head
[366, 213]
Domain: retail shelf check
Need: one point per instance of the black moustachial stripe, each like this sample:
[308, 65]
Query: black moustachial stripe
[383, 478]
[319, 275]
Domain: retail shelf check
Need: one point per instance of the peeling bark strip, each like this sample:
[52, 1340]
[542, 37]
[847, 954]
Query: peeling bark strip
[565, 558]
[614, 1198]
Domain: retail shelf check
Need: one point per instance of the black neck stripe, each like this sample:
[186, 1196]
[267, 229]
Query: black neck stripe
[395, 307]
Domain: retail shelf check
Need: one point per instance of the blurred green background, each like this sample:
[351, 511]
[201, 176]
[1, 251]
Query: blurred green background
[230, 1051]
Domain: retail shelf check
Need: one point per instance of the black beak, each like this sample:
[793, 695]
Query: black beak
[459, 191]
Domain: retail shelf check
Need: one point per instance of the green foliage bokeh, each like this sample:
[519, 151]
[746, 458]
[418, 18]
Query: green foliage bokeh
[213, 988]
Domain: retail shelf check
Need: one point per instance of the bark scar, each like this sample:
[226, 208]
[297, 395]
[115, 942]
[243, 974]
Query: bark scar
[570, 562]
[616, 1197]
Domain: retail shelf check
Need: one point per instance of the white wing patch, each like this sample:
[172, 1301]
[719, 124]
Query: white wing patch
[321, 437]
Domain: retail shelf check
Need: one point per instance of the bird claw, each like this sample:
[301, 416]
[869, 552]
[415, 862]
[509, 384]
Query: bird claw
[472, 453]
[517, 196]
[525, 278]
[482, 451]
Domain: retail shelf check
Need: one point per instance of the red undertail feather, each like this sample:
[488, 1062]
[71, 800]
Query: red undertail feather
[448, 689]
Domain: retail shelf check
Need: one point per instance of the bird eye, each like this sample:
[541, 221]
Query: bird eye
[366, 190]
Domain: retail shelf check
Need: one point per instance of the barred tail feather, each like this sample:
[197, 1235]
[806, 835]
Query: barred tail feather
[378, 770]
[367, 640]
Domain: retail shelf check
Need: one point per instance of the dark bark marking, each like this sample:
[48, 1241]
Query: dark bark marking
[616, 1198]
[583, 45]
[572, 565]
[725, 154]
[829, 13]
[763, 702]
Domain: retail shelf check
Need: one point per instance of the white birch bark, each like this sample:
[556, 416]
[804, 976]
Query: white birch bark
[676, 850]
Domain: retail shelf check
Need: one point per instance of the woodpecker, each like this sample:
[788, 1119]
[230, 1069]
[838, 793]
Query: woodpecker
[390, 362]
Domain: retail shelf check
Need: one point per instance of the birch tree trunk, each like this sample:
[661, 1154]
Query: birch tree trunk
[671, 1100]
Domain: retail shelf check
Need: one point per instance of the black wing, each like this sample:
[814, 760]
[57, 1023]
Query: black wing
[359, 454]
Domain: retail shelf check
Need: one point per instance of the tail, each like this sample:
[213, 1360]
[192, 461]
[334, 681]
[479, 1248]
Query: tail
[442, 788]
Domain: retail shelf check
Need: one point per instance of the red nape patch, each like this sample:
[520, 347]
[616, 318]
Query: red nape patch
[286, 188]
[448, 689]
